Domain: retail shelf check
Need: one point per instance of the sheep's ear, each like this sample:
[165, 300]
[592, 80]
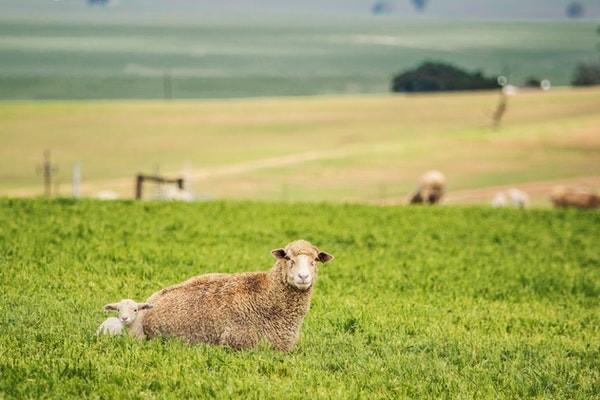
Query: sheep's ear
[111, 307]
[325, 257]
[279, 254]
[145, 306]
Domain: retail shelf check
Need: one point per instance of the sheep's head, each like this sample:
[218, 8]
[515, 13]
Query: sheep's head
[299, 260]
[127, 309]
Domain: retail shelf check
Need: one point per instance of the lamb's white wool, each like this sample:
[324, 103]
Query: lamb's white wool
[112, 326]
[128, 312]
[511, 198]
[499, 200]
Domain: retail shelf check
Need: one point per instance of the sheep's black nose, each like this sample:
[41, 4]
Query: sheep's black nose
[303, 276]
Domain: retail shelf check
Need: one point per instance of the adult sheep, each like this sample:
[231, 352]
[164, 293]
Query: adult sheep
[432, 187]
[239, 310]
[574, 197]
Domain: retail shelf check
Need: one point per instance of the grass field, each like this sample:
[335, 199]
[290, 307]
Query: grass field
[355, 148]
[271, 56]
[448, 302]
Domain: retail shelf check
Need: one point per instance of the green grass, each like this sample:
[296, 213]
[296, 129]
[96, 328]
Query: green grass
[270, 56]
[419, 303]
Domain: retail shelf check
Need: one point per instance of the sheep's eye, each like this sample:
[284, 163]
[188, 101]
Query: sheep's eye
[135, 310]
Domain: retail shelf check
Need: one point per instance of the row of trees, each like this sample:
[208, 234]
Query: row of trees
[588, 74]
[440, 77]
[437, 76]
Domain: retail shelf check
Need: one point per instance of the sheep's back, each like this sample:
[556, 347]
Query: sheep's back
[201, 308]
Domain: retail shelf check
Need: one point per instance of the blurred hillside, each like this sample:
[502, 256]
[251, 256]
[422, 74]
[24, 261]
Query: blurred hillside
[135, 9]
[69, 49]
[271, 57]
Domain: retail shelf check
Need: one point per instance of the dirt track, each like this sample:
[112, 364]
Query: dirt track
[538, 191]
[124, 185]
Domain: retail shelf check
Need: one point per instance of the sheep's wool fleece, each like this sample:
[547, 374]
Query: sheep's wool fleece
[575, 197]
[237, 310]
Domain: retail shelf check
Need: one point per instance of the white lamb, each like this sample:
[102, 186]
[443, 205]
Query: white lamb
[128, 312]
[511, 198]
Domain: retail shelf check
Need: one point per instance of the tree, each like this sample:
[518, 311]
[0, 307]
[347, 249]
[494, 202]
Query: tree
[575, 10]
[419, 5]
[587, 74]
[381, 7]
[437, 76]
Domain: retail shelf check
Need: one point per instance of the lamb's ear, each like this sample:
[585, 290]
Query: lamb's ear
[279, 254]
[145, 306]
[111, 307]
[325, 257]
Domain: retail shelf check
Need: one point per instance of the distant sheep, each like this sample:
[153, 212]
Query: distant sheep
[432, 187]
[128, 313]
[107, 195]
[574, 197]
[239, 310]
[511, 198]
[174, 193]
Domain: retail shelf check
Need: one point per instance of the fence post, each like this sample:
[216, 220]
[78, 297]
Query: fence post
[47, 170]
[139, 180]
[76, 180]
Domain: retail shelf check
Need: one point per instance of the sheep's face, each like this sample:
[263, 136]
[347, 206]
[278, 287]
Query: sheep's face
[300, 265]
[127, 309]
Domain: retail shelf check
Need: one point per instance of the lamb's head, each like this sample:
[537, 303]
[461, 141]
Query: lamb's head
[299, 263]
[127, 309]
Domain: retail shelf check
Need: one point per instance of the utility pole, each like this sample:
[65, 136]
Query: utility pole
[47, 169]
[500, 110]
[502, 102]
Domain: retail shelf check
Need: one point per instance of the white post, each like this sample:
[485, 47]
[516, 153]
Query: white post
[76, 180]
